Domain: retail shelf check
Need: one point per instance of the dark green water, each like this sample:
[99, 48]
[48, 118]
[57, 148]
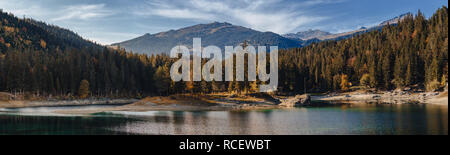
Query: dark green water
[365, 119]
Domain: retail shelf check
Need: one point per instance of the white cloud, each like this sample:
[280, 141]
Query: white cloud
[262, 15]
[178, 13]
[66, 15]
[56, 13]
[278, 22]
[278, 16]
[21, 8]
[107, 38]
[317, 2]
[83, 12]
[165, 9]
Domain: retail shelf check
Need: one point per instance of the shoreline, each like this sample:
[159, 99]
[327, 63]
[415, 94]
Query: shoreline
[170, 103]
[221, 102]
[387, 97]
[68, 103]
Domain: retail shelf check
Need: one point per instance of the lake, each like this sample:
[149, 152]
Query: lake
[346, 119]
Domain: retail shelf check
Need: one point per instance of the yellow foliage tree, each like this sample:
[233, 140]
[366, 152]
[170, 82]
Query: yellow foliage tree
[83, 91]
[254, 86]
[443, 80]
[43, 44]
[365, 80]
[189, 86]
[344, 82]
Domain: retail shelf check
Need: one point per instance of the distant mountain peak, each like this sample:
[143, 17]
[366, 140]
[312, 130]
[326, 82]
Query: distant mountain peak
[395, 20]
[314, 35]
[220, 34]
[220, 23]
[307, 35]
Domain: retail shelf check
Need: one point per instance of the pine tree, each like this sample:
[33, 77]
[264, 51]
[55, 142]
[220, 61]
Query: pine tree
[386, 70]
[163, 80]
[409, 75]
[372, 75]
[432, 73]
[399, 79]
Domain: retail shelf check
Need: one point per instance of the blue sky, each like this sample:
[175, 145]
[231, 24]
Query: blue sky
[110, 21]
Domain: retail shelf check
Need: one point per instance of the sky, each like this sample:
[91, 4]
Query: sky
[112, 21]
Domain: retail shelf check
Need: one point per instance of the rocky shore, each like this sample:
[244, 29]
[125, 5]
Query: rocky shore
[297, 101]
[391, 97]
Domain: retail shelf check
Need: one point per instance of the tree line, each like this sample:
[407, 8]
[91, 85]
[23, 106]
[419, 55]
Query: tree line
[43, 60]
[412, 53]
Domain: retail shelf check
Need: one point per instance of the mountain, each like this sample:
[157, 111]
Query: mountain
[32, 34]
[345, 35]
[307, 35]
[395, 20]
[225, 34]
[387, 59]
[218, 34]
[380, 26]
[314, 35]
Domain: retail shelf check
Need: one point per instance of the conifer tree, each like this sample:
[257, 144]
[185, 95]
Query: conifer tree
[163, 80]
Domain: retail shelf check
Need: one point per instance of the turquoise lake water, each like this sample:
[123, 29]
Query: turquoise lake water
[356, 119]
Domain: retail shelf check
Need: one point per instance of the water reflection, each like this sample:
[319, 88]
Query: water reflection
[52, 125]
[239, 120]
[342, 119]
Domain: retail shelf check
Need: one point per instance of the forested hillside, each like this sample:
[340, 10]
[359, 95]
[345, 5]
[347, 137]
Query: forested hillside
[33, 60]
[40, 59]
[412, 53]
[28, 33]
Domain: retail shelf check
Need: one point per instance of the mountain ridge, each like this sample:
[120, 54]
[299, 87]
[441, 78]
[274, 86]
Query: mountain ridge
[216, 33]
[226, 34]
[29, 33]
[307, 35]
[323, 35]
